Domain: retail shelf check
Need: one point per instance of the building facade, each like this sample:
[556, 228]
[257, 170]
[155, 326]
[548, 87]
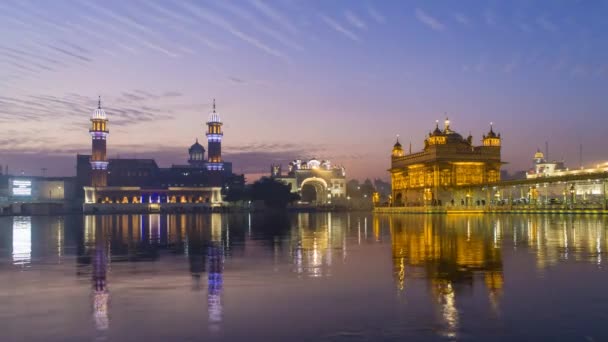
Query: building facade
[544, 167]
[317, 182]
[141, 181]
[448, 163]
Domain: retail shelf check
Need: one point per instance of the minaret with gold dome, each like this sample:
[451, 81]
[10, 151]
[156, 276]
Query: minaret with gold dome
[99, 133]
[214, 141]
[397, 149]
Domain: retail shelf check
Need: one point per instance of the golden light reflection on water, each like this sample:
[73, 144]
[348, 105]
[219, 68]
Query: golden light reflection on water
[447, 257]
[453, 251]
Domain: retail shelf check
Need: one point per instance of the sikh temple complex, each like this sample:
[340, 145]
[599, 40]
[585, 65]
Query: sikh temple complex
[452, 173]
[447, 162]
[131, 184]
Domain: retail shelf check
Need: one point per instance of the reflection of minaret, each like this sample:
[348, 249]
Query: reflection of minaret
[215, 267]
[195, 248]
[101, 295]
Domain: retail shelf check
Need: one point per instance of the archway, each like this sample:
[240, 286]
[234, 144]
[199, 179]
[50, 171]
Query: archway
[314, 190]
[309, 193]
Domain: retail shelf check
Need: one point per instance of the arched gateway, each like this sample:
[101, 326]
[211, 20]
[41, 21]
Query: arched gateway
[317, 182]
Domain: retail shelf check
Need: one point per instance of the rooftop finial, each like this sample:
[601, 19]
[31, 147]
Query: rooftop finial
[397, 137]
[99, 102]
[214, 105]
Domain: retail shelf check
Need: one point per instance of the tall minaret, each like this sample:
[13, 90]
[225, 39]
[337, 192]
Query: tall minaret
[214, 141]
[99, 133]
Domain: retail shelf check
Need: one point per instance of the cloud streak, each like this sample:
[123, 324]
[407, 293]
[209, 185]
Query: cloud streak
[339, 28]
[354, 20]
[219, 21]
[428, 20]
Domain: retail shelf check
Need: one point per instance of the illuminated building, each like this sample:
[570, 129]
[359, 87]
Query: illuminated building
[141, 181]
[315, 181]
[99, 161]
[447, 163]
[214, 141]
[544, 168]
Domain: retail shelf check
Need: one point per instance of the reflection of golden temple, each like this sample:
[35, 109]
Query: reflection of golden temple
[450, 250]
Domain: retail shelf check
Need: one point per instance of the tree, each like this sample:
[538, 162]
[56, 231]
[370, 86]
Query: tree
[275, 194]
[367, 188]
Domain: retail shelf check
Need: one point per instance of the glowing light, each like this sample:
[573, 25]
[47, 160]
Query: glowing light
[22, 240]
[22, 187]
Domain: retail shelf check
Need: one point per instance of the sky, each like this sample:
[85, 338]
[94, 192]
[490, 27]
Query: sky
[297, 79]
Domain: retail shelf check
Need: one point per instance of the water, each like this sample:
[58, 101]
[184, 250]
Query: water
[303, 277]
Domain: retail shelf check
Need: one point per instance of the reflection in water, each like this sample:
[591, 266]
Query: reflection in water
[215, 269]
[454, 265]
[100, 261]
[450, 251]
[314, 239]
[22, 240]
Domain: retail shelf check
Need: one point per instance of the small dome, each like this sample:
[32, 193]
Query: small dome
[437, 131]
[99, 113]
[397, 149]
[491, 133]
[539, 155]
[196, 147]
[454, 137]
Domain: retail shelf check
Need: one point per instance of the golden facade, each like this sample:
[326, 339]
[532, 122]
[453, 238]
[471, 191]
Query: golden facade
[447, 162]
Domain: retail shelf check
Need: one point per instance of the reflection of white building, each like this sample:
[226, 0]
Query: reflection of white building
[22, 240]
[315, 242]
[314, 180]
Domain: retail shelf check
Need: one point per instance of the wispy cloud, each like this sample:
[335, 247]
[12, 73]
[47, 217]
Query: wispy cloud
[579, 70]
[546, 24]
[219, 21]
[428, 20]
[462, 19]
[130, 25]
[338, 27]
[275, 15]
[354, 20]
[179, 18]
[377, 16]
[250, 18]
[128, 108]
[489, 17]
[512, 64]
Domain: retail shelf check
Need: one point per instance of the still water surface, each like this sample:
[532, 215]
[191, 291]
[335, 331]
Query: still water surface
[303, 277]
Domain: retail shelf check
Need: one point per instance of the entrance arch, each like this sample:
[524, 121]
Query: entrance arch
[314, 190]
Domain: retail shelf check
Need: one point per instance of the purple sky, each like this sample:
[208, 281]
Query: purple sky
[298, 79]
